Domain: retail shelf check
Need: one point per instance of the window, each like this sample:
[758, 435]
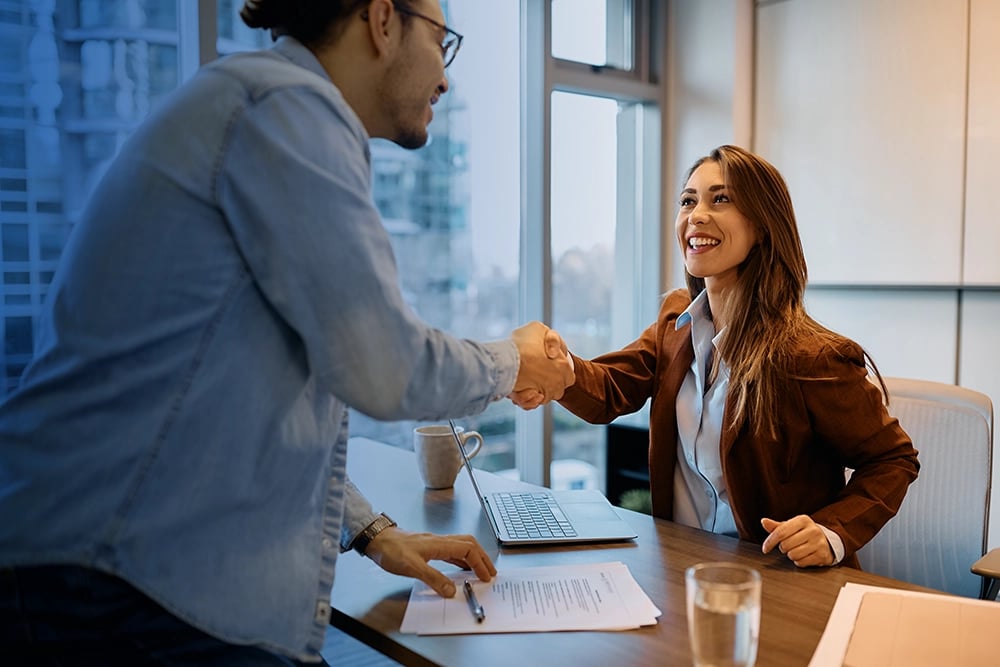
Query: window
[604, 241]
[14, 242]
[596, 32]
[83, 74]
[452, 209]
[17, 336]
[593, 214]
[542, 173]
[77, 77]
[232, 33]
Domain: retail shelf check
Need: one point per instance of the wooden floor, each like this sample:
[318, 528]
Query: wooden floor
[343, 650]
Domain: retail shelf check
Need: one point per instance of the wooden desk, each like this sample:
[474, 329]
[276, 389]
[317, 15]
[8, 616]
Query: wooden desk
[369, 603]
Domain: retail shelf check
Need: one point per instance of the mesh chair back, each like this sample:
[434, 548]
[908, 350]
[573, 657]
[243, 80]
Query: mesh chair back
[940, 529]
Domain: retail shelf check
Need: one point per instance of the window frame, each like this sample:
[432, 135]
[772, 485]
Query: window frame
[541, 75]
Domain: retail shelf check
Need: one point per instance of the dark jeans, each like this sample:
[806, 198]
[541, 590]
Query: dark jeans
[68, 615]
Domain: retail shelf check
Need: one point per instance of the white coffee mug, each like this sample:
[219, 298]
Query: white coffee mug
[438, 459]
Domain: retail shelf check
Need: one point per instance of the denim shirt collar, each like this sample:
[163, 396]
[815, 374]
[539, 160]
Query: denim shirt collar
[299, 54]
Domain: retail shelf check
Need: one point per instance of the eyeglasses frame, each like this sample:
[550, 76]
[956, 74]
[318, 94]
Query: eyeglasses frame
[456, 38]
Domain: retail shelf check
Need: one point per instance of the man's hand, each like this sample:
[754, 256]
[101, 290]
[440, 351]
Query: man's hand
[800, 538]
[405, 553]
[546, 366]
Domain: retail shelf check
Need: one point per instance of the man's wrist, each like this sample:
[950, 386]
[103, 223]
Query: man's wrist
[365, 537]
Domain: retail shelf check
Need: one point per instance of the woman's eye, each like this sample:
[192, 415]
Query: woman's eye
[686, 201]
[721, 199]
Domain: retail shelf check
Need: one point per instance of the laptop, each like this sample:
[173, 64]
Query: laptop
[523, 518]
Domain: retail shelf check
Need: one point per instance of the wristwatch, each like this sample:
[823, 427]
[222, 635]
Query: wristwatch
[364, 538]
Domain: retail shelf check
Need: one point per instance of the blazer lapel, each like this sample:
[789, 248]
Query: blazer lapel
[678, 351]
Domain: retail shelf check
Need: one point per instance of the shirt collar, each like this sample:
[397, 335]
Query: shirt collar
[697, 314]
[299, 54]
[696, 310]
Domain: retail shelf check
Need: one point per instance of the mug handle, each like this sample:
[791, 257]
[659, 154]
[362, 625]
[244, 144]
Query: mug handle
[472, 435]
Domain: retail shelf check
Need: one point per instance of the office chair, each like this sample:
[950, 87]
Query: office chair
[988, 567]
[940, 530]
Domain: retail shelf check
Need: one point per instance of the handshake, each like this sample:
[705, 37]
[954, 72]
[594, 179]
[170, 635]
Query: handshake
[546, 366]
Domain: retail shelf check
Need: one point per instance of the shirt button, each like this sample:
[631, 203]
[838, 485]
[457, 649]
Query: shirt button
[322, 612]
[327, 543]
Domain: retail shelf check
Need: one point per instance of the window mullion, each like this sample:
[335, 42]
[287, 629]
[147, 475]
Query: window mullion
[535, 427]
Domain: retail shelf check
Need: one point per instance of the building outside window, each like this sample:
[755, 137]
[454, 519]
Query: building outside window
[531, 201]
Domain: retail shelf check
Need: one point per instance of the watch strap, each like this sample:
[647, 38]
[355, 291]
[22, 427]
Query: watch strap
[364, 538]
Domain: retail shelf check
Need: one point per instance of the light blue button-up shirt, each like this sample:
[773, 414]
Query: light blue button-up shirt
[229, 291]
[701, 498]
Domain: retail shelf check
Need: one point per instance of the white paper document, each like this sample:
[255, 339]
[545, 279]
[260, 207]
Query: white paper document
[598, 596]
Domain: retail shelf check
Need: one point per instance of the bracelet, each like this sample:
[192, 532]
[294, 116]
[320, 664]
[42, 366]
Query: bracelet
[364, 538]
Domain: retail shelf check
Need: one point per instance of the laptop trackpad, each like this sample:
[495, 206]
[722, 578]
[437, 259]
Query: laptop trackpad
[589, 511]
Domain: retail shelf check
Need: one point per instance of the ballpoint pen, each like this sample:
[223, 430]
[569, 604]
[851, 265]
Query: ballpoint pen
[474, 606]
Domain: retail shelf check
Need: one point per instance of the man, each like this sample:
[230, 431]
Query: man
[172, 466]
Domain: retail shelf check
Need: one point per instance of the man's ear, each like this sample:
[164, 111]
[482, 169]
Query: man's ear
[380, 26]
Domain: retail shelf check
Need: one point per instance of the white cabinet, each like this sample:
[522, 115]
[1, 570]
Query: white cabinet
[861, 104]
[982, 209]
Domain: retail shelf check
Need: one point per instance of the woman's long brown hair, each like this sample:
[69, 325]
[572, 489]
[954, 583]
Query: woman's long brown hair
[765, 311]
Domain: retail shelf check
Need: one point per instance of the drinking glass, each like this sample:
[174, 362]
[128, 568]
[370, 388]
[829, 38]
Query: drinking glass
[723, 614]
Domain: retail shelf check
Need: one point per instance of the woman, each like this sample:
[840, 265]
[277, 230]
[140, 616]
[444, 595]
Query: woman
[756, 408]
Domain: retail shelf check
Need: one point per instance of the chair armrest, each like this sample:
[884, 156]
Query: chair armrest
[988, 565]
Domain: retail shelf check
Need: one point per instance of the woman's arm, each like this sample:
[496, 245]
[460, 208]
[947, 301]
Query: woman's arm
[848, 413]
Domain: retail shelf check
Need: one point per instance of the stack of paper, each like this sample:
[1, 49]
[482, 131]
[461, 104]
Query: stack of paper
[882, 627]
[597, 596]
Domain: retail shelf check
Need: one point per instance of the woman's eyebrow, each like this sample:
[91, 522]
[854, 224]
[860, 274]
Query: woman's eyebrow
[711, 188]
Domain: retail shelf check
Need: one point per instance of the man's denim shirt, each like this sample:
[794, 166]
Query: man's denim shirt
[229, 290]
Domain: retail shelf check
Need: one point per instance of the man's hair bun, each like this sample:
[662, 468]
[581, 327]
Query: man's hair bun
[306, 20]
[262, 13]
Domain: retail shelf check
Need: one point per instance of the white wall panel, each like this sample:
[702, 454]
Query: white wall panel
[982, 214]
[979, 369]
[909, 333]
[709, 93]
[862, 106]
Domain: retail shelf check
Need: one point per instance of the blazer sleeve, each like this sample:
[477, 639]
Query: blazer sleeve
[619, 383]
[848, 413]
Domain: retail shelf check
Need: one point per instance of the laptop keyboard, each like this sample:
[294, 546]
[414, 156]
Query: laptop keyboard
[532, 515]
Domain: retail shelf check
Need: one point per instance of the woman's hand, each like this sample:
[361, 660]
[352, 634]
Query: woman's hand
[800, 538]
[527, 399]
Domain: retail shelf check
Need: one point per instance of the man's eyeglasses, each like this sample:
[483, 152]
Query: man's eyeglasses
[451, 42]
